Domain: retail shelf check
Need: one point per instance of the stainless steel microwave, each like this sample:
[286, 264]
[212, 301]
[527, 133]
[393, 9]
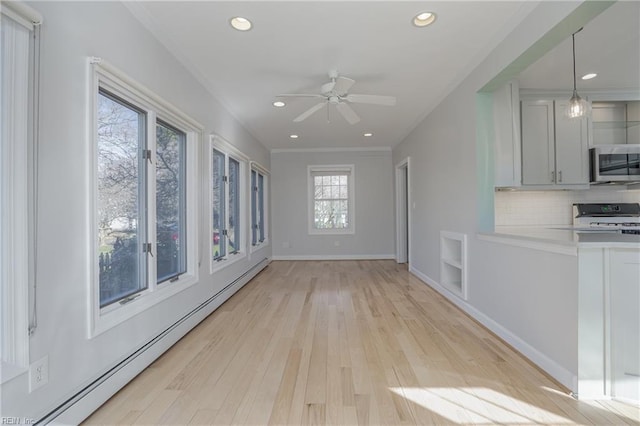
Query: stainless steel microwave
[615, 163]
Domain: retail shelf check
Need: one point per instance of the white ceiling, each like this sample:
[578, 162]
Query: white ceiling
[294, 44]
[608, 45]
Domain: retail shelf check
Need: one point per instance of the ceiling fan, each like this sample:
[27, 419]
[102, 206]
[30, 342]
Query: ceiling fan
[336, 93]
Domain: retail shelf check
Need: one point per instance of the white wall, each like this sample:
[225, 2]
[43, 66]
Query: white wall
[450, 185]
[374, 236]
[71, 32]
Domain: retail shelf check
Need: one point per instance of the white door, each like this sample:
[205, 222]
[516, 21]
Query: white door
[402, 212]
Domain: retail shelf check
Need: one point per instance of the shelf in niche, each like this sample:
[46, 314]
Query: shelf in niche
[453, 262]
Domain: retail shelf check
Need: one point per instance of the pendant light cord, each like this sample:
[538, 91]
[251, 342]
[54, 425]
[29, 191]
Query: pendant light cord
[573, 39]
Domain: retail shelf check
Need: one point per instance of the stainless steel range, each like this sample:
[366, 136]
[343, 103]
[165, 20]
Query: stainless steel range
[622, 218]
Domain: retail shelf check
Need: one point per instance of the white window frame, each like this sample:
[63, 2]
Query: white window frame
[256, 167]
[105, 76]
[338, 169]
[221, 145]
[20, 59]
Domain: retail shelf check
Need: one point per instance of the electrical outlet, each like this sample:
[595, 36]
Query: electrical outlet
[286, 244]
[336, 243]
[39, 373]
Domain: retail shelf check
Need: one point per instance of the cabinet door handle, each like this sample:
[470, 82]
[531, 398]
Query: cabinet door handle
[553, 177]
[560, 176]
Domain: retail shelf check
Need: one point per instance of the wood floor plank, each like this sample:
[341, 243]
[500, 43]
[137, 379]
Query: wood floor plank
[346, 343]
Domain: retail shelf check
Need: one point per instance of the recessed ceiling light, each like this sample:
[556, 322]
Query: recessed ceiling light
[423, 19]
[278, 104]
[367, 135]
[293, 136]
[589, 76]
[240, 23]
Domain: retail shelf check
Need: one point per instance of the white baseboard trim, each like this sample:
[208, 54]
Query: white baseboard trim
[91, 398]
[337, 257]
[555, 370]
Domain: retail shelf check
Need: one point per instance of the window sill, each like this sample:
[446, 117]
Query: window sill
[332, 232]
[260, 246]
[229, 260]
[113, 317]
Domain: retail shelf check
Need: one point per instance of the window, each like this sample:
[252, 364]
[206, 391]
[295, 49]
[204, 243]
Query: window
[19, 58]
[145, 180]
[227, 203]
[171, 229]
[258, 206]
[331, 207]
[121, 199]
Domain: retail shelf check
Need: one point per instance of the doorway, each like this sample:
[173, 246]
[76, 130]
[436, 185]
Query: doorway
[403, 212]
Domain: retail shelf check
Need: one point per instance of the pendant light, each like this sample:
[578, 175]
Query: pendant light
[578, 107]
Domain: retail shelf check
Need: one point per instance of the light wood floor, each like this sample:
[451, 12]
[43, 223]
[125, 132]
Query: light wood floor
[345, 343]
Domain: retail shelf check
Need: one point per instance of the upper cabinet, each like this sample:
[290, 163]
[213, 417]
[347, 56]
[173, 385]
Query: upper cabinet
[616, 122]
[506, 126]
[554, 148]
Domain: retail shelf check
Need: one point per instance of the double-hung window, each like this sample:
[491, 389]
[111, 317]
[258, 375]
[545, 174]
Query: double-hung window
[331, 199]
[144, 196]
[228, 212]
[259, 206]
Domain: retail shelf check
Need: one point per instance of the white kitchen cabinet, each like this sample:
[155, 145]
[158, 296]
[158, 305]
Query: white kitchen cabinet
[615, 122]
[609, 323]
[554, 148]
[506, 126]
[625, 324]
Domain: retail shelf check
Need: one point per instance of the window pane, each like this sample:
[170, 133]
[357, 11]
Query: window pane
[254, 208]
[170, 202]
[261, 206]
[335, 192]
[343, 192]
[121, 136]
[233, 231]
[218, 239]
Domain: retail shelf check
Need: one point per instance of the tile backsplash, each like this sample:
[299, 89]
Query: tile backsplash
[525, 208]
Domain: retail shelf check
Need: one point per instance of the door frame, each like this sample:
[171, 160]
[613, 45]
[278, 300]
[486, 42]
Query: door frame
[403, 211]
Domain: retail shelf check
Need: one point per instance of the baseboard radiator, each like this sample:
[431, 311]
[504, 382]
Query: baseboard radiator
[80, 406]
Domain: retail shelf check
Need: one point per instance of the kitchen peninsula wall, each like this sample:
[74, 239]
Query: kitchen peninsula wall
[535, 208]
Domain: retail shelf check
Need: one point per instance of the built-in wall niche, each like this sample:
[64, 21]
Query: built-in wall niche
[453, 262]
[615, 122]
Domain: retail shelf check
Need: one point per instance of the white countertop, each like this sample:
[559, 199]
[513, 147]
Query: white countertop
[559, 238]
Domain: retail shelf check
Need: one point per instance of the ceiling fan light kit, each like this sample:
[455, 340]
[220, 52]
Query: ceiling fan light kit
[336, 93]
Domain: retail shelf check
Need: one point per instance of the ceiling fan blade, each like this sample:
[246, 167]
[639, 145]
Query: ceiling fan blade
[348, 113]
[371, 99]
[299, 95]
[343, 84]
[309, 112]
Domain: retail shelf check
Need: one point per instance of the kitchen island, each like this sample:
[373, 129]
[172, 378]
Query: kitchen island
[608, 303]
